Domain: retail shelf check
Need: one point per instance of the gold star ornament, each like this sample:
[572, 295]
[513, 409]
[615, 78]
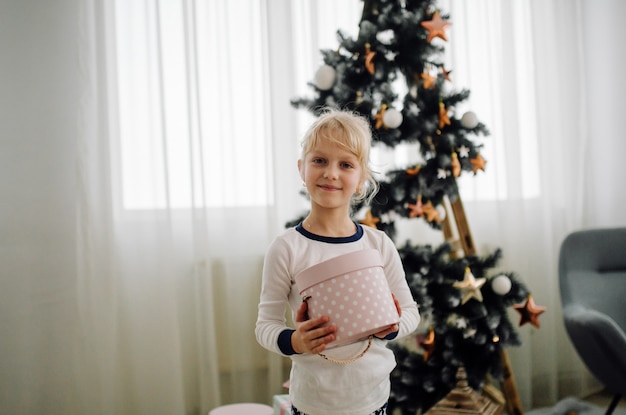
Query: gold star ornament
[436, 27]
[379, 116]
[416, 209]
[470, 287]
[429, 80]
[428, 344]
[369, 220]
[369, 59]
[478, 163]
[413, 171]
[431, 212]
[456, 165]
[443, 115]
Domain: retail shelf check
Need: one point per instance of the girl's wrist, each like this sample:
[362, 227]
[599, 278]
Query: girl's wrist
[285, 342]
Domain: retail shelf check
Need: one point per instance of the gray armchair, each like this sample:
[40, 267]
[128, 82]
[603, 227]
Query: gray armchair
[592, 282]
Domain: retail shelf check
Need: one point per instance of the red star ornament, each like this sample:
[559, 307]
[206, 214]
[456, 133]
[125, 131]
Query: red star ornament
[470, 287]
[436, 27]
[369, 220]
[529, 312]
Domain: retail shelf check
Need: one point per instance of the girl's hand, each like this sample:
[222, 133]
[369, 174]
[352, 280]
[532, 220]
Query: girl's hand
[394, 327]
[309, 336]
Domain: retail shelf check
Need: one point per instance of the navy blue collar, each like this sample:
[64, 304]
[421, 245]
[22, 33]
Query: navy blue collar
[330, 239]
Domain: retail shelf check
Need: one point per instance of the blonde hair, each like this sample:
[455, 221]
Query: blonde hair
[350, 131]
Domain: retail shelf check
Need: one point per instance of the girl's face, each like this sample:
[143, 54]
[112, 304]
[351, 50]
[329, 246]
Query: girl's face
[331, 174]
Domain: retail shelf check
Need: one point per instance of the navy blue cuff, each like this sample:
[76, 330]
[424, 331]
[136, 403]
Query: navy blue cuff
[391, 336]
[284, 342]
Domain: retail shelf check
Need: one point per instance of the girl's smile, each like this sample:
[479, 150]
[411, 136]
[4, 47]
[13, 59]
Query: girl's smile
[328, 187]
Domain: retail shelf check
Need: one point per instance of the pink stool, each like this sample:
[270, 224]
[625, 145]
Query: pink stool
[243, 409]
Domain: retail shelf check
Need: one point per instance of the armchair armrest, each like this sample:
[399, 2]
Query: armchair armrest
[600, 342]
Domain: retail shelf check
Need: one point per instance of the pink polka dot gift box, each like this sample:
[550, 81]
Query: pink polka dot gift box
[353, 291]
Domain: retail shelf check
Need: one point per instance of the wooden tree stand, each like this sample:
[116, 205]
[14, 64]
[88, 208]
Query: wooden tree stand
[462, 244]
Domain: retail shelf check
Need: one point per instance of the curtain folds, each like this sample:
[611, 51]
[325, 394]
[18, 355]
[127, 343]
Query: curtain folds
[199, 113]
[154, 152]
[530, 196]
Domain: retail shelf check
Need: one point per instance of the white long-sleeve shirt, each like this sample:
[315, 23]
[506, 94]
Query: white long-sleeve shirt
[318, 386]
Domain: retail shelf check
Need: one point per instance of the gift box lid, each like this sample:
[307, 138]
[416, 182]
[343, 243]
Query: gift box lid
[342, 264]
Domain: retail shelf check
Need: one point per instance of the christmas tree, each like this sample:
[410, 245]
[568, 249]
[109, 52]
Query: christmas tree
[393, 73]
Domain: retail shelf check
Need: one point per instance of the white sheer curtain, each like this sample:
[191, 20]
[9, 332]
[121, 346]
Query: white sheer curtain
[131, 267]
[124, 291]
[541, 75]
[204, 150]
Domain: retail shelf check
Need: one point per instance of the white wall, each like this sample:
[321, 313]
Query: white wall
[38, 101]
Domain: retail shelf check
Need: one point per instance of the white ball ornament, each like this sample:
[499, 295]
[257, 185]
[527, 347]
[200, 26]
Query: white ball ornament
[501, 285]
[469, 120]
[325, 77]
[392, 118]
[442, 212]
[385, 37]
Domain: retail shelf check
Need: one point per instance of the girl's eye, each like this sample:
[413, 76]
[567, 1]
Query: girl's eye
[346, 165]
[318, 160]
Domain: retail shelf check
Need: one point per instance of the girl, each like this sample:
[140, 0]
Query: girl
[334, 167]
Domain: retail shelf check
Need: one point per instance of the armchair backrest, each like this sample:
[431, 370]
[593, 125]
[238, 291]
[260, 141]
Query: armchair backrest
[592, 271]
